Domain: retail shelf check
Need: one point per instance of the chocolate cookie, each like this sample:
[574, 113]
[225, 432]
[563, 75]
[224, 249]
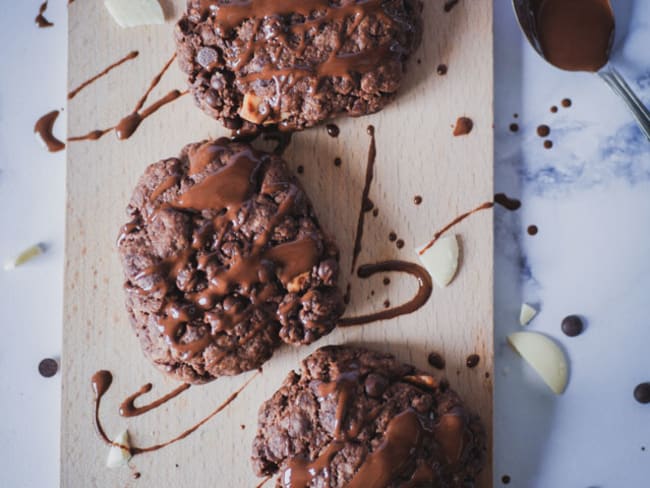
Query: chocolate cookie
[361, 419]
[224, 259]
[295, 63]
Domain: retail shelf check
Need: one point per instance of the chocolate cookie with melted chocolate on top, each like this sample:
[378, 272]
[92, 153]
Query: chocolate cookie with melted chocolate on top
[295, 63]
[224, 260]
[356, 418]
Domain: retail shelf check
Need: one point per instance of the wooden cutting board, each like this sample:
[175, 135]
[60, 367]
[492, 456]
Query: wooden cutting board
[417, 155]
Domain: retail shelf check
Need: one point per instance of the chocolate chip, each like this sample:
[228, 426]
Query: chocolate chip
[642, 393]
[472, 360]
[572, 325]
[543, 130]
[392, 237]
[400, 243]
[566, 102]
[48, 367]
[514, 127]
[375, 385]
[436, 360]
[505, 479]
[441, 69]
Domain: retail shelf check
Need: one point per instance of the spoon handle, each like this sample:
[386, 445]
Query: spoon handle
[618, 84]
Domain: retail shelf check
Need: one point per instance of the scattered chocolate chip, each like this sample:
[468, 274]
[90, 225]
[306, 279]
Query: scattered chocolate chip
[532, 230]
[419, 61]
[136, 475]
[554, 109]
[548, 144]
[333, 130]
[487, 375]
[386, 303]
[436, 360]
[368, 205]
[48, 367]
[515, 115]
[375, 212]
[514, 127]
[242, 426]
[505, 479]
[566, 103]
[337, 162]
[399, 243]
[392, 237]
[572, 325]
[417, 199]
[642, 393]
[301, 169]
[464, 126]
[472, 360]
[441, 69]
[386, 281]
[543, 130]
[643, 448]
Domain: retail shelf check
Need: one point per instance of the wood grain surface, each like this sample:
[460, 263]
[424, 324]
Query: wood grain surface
[417, 155]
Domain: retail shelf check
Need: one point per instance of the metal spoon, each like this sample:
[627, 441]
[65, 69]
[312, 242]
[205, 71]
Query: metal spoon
[525, 12]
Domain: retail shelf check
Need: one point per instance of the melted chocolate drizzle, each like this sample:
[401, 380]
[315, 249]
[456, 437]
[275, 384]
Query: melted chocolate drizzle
[101, 382]
[456, 221]
[127, 126]
[372, 156]
[128, 57]
[425, 288]
[128, 408]
[44, 129]
[40, 19]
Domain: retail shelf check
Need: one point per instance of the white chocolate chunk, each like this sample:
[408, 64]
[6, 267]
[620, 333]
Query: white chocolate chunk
[545, 356]
[441, 260]
[132, 13]
[118, 456]
[526, 314]
[27, 255]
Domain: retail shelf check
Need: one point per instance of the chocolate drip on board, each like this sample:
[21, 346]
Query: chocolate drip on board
[104, 72]
[127, 126]
[456, 221]
[425, 288]
[128, 408]
[101, 382]
[370, 167]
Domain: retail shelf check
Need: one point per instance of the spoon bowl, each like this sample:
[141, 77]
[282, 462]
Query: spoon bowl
[586, 47]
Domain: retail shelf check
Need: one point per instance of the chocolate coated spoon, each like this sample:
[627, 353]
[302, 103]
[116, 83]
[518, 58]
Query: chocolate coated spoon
[577, 35]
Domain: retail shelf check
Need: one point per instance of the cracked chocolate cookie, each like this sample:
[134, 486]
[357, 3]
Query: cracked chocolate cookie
[224, 260]
[356, 418]
[295, 63]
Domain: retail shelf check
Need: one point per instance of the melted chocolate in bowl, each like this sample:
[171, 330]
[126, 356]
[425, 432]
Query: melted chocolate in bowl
[575, 35]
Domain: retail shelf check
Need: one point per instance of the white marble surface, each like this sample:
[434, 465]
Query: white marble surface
[589, 195]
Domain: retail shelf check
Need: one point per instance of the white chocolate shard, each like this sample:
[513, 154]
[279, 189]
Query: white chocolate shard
[25, 256]
[526, 314]
[545, 356]
[119, 454]
[133, 13]
[441, 260]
